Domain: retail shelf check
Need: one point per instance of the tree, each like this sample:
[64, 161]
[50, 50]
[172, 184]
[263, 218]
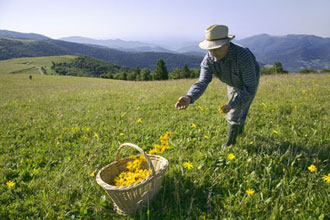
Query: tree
[176, 74]
[325, 70]
[186, 71]
[161, 70]
[137, 72]
[131, 76]
[145, 74]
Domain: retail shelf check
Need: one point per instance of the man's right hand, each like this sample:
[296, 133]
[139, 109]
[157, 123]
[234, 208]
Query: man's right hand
[183, 102]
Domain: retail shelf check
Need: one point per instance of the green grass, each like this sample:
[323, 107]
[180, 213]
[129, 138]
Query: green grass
[48, 147]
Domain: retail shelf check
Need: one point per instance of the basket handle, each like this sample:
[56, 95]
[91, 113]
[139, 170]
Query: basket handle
[151, 166]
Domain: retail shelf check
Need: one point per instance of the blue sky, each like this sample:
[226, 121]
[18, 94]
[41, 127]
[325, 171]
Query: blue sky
[170, 20]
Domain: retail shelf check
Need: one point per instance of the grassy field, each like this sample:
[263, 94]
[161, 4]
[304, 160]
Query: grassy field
[57, 131]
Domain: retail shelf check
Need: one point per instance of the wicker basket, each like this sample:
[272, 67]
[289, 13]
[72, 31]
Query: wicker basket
[128, 199]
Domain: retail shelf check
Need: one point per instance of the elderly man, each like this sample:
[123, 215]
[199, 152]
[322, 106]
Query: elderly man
[232, 64]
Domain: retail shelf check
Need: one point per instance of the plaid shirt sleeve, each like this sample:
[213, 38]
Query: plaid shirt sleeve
[205, 77]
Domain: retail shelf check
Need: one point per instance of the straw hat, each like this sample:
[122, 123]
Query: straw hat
[216, 36]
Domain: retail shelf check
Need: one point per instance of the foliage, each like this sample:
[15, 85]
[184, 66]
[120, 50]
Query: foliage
[58, 132]
[161, 71]
[325, 71]
[277, 68]
[88, 66]
[305, 70]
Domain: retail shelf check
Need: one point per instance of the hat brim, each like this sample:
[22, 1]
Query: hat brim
[209, 45]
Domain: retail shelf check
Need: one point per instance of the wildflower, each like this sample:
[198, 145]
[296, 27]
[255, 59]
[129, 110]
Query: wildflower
[138, 108]
[92, 174]
[200, 108]
[250, 191]
[250, 143]
[312, 168]
[96, 135]
[193, 125]
[284, 170]
[187, 165]
[206, 137]
[10, 184]
[123, 115]
[139, 120]
[326, 178]
[275, 132]
[264, 105]
[220, 109]
[121, 134]
[230, 157]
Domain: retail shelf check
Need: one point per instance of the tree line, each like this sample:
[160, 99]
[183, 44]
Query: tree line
[277, 68]
[92, 67]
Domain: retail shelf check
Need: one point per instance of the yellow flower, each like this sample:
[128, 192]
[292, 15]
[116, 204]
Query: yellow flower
[230, 157]
[312, 168]
[121, 134]
[249, 191]
[275, 132]
[326, 178]
[96, 135]
[152, 151]
[139, 120]
[138, 108]
[206, 137]
[264, 105]
[193, 125]
[187, 165]
[123, 115]
[220, 109]
[10, 184]
[92, 174]
[200, 108]
[250, 143]
[284, 170]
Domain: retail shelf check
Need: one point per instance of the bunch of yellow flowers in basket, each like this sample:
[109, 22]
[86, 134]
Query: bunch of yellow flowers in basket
[135, 173]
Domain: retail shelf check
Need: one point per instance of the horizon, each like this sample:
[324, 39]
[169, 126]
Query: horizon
[169, 21]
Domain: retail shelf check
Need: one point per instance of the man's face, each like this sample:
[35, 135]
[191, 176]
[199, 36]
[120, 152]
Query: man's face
[220, 52]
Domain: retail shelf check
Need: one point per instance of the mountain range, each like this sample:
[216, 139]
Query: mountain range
[295, 52]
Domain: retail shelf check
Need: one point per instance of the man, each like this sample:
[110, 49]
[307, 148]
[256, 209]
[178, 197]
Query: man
[232, 64]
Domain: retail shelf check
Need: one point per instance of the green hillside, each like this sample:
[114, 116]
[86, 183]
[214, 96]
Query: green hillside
[12, 48]
[32, 65]
[57, 132]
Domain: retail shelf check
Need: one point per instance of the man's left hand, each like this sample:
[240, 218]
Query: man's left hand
[226, 108]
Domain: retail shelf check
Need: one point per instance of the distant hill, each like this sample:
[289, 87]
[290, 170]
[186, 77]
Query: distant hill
[293, 51]
[18, 35]
[131, 46]
[26, 48]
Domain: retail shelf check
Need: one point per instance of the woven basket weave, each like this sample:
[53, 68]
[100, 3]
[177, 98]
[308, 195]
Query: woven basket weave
[129, 199]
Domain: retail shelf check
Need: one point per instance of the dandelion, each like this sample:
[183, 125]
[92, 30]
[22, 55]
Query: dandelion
[121, 134]
[96, 135]
[250, 143]
[200, 108]
[312, 168]
[230, 157]
[123, 115]
[10, 184]
[249, 191]
[326, 178]
[139, 120]
[187, 165]
[220, 109]
[193, 125]
[92, 174]
[275, 132]
[138, 108]
[206, 137]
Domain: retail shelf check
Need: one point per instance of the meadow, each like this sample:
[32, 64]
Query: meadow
[57, 132]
